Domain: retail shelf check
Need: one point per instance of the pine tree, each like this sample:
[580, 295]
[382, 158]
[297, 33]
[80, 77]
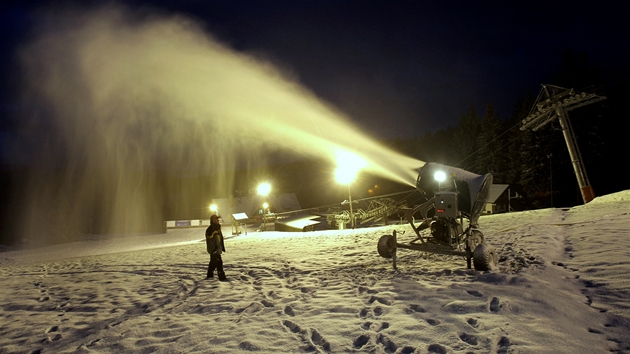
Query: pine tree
[490, 155]
[527, 160]
[465, 139]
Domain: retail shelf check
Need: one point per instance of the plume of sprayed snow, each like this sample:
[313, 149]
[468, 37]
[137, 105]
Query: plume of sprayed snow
[121, 94]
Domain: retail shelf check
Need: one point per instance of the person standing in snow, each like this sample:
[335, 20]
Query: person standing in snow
[214, 246]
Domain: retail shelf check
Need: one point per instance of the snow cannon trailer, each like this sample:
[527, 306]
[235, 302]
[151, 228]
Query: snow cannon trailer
[455, 199]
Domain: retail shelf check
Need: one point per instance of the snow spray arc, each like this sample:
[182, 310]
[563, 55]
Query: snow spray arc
[127, 93]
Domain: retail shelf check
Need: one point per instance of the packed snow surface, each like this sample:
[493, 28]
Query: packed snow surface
[562, 286]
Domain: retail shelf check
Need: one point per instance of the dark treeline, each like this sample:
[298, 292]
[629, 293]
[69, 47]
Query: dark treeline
[537, 165]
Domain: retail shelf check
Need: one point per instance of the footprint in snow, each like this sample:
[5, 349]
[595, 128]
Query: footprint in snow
[364, 312]
[474, 293]
[436, 349]
[504, 345]
[473, 322]
[433, 322]
[384, 325]
[360, 341]
[415, 308]
[293, 327]
[56, 337]
[387, 343]
[319, 340]
[379, 299]
[52, 329]
[469, 338]
[248, 346]
[495, 305]
[407, 350]
[363, 289]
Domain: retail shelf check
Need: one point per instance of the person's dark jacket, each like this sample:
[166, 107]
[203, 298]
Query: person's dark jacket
[214, 239]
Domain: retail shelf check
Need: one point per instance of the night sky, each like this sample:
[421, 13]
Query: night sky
[398, 68]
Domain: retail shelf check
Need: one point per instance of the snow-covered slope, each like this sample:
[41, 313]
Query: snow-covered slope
[562, 286]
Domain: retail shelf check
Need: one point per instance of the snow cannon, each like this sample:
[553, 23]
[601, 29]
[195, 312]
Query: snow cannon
[472, 190]
[447, 222]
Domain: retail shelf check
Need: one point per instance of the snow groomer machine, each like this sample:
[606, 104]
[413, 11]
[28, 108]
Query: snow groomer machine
[449, 217]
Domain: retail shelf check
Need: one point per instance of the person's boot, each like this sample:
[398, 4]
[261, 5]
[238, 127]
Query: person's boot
[222, 276]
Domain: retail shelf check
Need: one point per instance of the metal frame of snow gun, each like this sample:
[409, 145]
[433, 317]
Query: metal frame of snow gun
[454, 226]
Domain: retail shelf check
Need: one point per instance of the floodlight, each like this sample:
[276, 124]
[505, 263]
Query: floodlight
[345, 175]
[264, 188]
[439, 176]
[348, 166]
[213, 209]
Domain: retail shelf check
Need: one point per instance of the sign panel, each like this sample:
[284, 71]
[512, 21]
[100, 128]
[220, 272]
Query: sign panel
[240, 216]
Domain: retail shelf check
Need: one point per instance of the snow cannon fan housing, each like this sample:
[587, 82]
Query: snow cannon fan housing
[471, 190]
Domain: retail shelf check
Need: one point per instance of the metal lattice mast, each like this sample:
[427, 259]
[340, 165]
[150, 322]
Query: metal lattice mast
[555, 102]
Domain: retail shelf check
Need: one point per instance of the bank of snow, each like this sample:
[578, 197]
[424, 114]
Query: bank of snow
[561, 287]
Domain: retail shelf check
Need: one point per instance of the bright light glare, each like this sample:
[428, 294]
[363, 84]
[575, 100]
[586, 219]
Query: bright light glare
[265, 206]
[213, 208]
[439, 176]
[264, 188]
[348, 166]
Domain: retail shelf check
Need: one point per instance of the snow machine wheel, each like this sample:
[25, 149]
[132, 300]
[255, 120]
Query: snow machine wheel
[386, 246]
[476, 238]
[484, 257]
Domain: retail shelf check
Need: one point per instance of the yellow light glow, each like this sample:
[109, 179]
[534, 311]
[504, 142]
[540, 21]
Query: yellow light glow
[348, 166]
[439, 176]
[264, 188]
[213, 208]
[265, 206]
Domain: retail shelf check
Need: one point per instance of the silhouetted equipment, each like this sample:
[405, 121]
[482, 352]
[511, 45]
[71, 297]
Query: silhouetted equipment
[555, 102]
[457, 203]
[378, 208]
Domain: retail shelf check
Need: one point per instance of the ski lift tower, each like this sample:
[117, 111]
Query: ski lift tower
[555, 102]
